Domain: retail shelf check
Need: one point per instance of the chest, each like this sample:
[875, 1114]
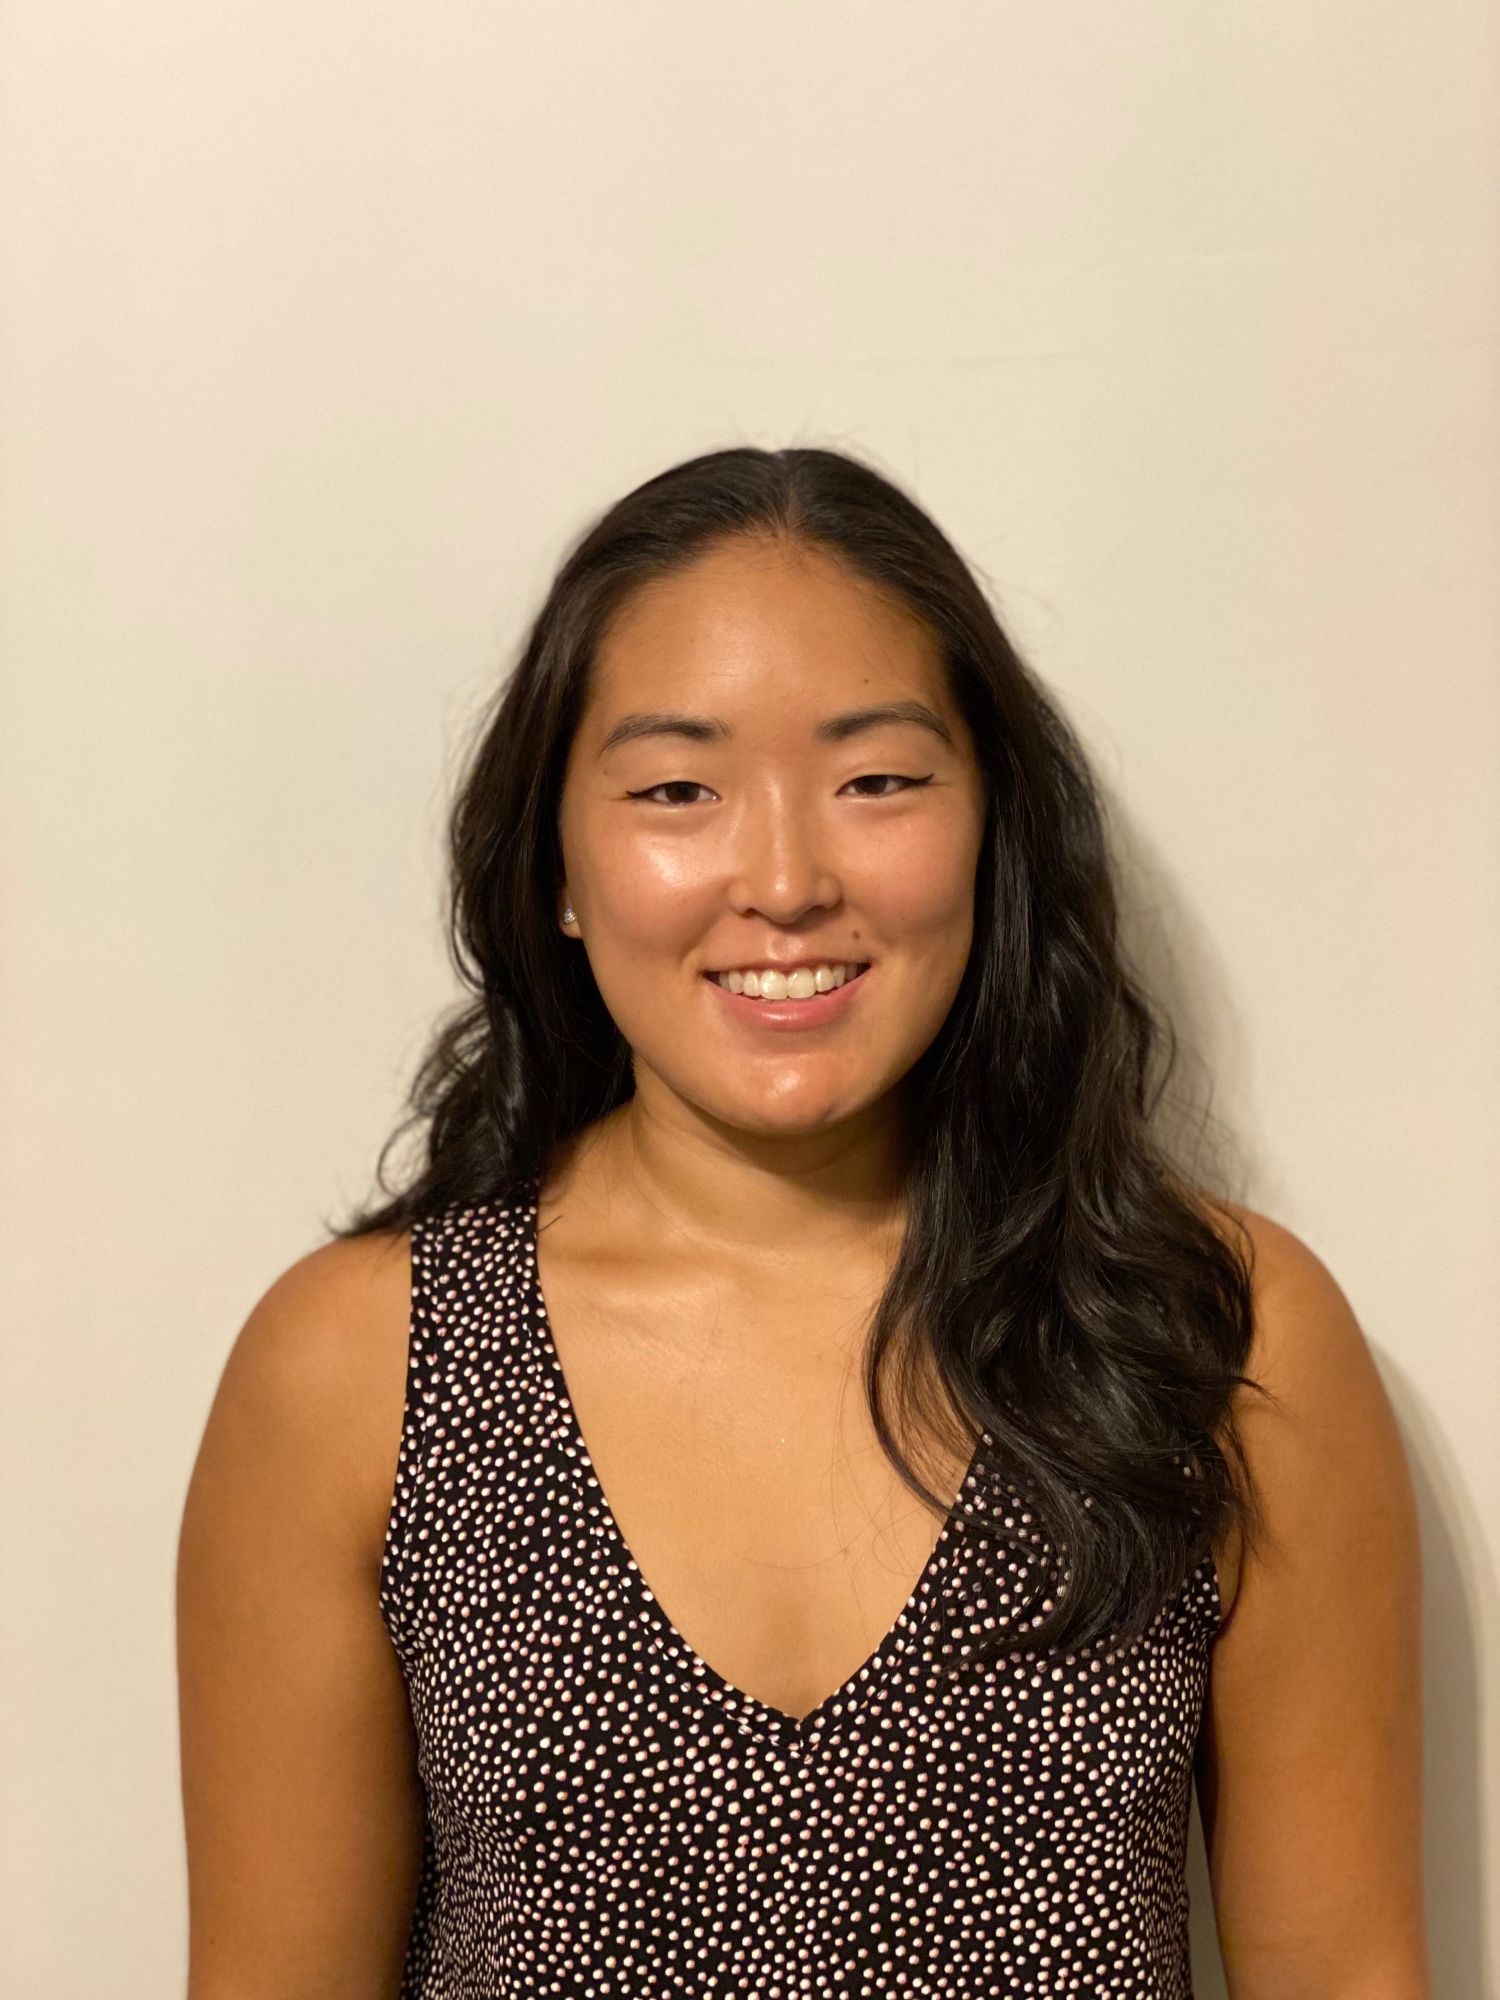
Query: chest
[728, 1429]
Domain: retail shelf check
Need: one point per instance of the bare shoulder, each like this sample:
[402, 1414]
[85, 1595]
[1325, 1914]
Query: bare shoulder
[301, 1798]
[330, 1294]
[319, 1370]
[1309, 1761]
[1322, 1442]
[1306, 1337]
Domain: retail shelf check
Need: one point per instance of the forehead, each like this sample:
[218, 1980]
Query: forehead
[774, 620]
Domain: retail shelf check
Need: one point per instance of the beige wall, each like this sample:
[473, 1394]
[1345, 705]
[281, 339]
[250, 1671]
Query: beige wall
[327, 325]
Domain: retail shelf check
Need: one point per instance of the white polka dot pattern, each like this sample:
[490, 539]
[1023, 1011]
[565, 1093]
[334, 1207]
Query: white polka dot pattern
[608, 1816]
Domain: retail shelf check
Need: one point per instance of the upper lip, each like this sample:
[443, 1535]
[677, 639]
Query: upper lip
[772, 963]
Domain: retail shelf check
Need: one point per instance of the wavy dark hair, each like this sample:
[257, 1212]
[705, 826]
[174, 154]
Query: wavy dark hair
[1083, 1306]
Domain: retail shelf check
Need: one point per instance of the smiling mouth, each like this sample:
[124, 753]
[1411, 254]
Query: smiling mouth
[791, 1009]
[858, 970]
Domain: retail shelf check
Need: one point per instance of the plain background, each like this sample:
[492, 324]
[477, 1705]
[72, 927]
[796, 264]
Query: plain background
[327, 327]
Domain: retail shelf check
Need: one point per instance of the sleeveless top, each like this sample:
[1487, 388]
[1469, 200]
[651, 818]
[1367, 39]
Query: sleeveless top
[608, 1816]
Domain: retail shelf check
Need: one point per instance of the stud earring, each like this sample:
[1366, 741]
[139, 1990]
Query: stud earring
[568, 916]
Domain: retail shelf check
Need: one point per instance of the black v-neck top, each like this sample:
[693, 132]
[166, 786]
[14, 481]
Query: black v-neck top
[606, 1815]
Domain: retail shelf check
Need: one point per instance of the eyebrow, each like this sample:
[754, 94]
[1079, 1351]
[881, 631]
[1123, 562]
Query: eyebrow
[714, 729]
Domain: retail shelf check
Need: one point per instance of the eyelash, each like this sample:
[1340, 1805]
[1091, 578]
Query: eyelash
[906, 784]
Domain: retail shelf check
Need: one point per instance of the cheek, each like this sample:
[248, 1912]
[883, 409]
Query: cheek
[917, 884]
[647, 895]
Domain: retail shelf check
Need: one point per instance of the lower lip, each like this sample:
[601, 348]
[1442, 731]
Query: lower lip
[810, 1013]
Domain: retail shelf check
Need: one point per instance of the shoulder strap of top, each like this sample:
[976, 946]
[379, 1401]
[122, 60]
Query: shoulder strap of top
[468, 1273]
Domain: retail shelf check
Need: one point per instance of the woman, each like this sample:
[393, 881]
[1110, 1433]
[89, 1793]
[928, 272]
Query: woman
[570, 1602]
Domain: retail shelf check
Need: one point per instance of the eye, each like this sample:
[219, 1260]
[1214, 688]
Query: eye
[690, 785]
[671, 785]
[875, 777]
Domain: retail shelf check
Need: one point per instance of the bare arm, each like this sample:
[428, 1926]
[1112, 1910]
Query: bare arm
[302, 1805]
[1310, 1762]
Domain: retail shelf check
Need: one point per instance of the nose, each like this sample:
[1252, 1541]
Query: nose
[782, 869]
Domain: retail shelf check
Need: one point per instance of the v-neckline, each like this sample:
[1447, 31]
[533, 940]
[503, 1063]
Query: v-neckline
[744, 1710]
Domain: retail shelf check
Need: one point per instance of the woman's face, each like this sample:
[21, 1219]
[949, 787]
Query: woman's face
[730, 803]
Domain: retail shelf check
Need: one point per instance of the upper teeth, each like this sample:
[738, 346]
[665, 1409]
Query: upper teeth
[798, 985]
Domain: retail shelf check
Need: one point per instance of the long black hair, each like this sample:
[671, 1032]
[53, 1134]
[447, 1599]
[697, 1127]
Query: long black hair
[1085, 1305]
